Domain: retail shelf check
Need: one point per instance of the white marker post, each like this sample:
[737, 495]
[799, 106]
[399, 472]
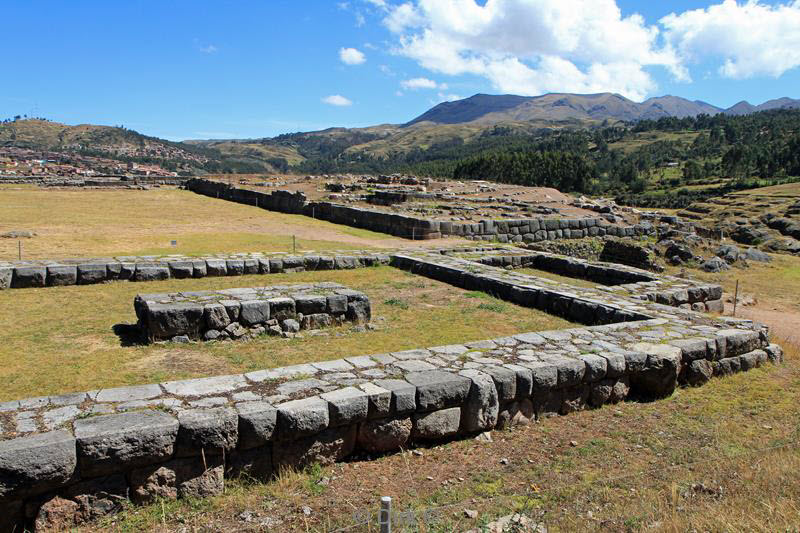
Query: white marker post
[385, 518]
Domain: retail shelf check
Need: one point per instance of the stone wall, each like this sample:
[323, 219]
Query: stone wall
[518, 230]
[245, 312]
[77, 456]
[52, 273]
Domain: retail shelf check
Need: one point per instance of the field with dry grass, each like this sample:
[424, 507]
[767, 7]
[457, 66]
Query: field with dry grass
[101, 223]
[69, 330]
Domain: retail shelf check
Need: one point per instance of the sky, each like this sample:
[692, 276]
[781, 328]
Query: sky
[197, 69]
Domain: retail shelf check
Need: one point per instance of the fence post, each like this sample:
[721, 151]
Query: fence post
[385, 518]
[294, 245]
[735, 297]
[20, 249]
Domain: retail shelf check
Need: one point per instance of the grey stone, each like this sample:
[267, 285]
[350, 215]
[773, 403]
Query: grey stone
[34, 464]
[298, 386]
[615, 364]
[544, 375]
[337, 365]
[253, 463]
[699, 372]
[384, 434]
[60, 275]
[437, 424]
[413, 365]
[61, 415]
[216, 316]
[309, 304]
[595, 367]
[299, 418]
[281, 308]
[437, 389]
[254, 312]
[179, 478]
[25, 277]
[205, 386]
[207, 431]
[324, 448]
[113, 443]
[290, 325]
[347, 405]
[380, 400]
[404, 395]
[480, 411]
[505, 381]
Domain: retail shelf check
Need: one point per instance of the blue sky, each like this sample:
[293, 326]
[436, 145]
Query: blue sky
[201, 69]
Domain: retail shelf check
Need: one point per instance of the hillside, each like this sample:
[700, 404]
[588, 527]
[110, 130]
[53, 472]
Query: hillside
[93, 148]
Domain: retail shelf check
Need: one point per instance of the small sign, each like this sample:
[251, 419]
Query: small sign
[173, 243]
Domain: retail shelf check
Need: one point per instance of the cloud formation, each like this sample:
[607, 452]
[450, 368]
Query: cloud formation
[749, 39]
[351, 56]
[337, 100]
[421, 83]
[531, 47]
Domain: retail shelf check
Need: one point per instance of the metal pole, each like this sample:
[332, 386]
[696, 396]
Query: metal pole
[385, 518]
[294, 245]
[735, 297]
[20, 249]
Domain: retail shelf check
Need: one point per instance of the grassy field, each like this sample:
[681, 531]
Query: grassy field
[86, 223]
[68, 330]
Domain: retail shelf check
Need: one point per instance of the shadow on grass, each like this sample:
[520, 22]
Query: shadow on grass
[129, 334]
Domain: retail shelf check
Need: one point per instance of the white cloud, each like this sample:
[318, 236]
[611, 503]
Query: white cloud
[749, 39]
[421, 83]
[387, 70]
[337, 100]
[534, 46]
[449, 97]
[351, 56]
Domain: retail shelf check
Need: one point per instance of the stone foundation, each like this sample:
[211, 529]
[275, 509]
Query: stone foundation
[70, 458]
[236, 313]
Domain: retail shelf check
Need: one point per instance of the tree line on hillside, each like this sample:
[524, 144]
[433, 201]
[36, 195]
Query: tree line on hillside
[650, 162]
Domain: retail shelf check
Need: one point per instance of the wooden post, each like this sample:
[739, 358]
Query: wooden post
[20, 249]
[736, 297]
[294, 245]
[385, 518]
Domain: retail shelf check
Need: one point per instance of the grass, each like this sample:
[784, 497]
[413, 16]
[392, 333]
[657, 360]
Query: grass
[86, 223]
[68, 330]
[722, 457]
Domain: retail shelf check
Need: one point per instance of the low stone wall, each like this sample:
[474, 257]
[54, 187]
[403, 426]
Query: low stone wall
[517, 230]
[53, 273]
[244, 312]
[666, 290]
[81, 455]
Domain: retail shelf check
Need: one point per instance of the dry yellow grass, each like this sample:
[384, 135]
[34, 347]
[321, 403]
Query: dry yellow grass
[68, 330]
[86, 223]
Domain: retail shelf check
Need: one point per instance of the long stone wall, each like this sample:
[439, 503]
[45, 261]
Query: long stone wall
[240, 312]
[54, 273]
[88, 452]
[516, 230]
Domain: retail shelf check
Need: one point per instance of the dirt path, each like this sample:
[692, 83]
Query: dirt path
[783, 322]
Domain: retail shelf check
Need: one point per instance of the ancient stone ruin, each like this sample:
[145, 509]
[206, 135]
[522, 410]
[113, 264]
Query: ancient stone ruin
[236, 313]
[81, 455]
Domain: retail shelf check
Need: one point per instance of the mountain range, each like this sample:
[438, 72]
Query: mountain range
[494, 109]
[460, 120]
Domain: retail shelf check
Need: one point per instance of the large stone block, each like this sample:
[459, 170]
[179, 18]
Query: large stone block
[35, 464]
[480, 411]
[404, 395]
[327, 447]
[196, 477]
[207, 431]
[114, 443]
[347, 405]
[61, 275]
[26, 277]
[384, 434]
[437, 424]
[437, 389]
[300, 418]
[257, 422]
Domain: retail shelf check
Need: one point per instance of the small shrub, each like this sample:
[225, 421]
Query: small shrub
[395, 302]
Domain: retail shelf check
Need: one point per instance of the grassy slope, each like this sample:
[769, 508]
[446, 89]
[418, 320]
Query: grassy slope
[68, 330]
[85, 223]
